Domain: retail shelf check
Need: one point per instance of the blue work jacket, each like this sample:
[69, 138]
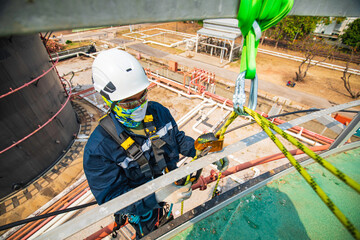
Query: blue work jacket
[110, 172]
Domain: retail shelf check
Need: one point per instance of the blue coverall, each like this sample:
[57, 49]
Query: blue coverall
[110, 172]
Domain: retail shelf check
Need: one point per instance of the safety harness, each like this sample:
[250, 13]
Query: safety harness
[152, 167]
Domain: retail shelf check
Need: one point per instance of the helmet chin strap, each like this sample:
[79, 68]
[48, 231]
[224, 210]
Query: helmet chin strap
[113, 105]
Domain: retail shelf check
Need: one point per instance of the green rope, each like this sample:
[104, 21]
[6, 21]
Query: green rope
[266, 13]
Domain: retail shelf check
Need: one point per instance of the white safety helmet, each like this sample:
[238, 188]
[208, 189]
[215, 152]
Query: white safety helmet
[118, 75]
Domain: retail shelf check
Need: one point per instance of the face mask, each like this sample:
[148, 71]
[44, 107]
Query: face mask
[130, 118]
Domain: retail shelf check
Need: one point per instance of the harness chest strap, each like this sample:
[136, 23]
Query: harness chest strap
[134, 151]
[156, 143]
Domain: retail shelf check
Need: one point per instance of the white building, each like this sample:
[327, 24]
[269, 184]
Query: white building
[334, 29]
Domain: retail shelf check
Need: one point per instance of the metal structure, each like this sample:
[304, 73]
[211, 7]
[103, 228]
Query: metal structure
[108, 208]
[275, 204]
[218, 37]
[19, 17]
[37, 120]
[313, 62]
[29, 17]
[347, 132]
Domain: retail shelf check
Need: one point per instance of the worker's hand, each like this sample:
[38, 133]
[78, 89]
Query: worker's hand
[222, 164]
[173, 193]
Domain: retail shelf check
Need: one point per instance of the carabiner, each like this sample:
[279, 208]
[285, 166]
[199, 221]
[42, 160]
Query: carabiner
[239, 97]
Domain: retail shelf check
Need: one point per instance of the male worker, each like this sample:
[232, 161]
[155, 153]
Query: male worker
[138, 141]
[148, 143]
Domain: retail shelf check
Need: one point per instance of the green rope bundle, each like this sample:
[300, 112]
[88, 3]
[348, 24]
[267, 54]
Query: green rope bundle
[266, 13]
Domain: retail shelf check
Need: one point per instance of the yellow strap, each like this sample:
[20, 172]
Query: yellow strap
[101, 118]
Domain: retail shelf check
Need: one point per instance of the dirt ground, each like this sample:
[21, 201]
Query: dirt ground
[320, 81]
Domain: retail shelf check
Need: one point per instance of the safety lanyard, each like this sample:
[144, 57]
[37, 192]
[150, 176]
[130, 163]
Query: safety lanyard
[254, 17]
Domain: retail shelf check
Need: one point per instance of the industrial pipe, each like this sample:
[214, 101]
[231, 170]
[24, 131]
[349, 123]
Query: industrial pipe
[202, 119]
[58, 205]
[61, 218]
[206, 95]
[202, 184]
[50, 218]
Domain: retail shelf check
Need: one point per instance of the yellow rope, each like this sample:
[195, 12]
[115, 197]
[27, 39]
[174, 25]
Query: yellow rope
[217, 184]
[335, 210]
[347, 180]
[220, 134]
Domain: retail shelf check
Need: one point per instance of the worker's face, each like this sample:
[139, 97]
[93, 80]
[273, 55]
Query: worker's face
[134, 101]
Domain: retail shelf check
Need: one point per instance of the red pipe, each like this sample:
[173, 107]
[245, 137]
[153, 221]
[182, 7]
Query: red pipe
[304, 131]
[32, 81]
[50, 218]
[307, 133]
[40, 127]
[84, 91]
[27, 227]
[203, 181]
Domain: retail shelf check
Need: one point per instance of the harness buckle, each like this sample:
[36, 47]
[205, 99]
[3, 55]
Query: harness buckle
[135, 152]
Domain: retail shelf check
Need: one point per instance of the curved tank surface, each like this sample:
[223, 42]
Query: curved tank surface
[22, 59]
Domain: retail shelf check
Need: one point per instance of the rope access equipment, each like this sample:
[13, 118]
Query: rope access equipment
[254, 16]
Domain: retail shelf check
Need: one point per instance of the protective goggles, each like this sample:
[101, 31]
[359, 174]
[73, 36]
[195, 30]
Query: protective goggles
[134, 103]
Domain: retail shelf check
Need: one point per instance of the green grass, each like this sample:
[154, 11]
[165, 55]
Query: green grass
[76, 45]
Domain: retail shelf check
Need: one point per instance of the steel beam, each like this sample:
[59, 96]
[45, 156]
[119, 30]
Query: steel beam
[331, 8]
[187, 224]
[96, 214]
[30, 16]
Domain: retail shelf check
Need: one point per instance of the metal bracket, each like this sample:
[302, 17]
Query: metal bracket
[239, 97]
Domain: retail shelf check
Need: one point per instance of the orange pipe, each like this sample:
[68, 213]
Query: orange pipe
[293, 152]
[52, 208]
[102, 232]
[23, 230]
[50, 218]
[105, 231]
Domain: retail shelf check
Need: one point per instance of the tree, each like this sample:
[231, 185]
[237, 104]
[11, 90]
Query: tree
[311, 48]
[346, 78]
[54, 46]
[294, 27]
[351, 36]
